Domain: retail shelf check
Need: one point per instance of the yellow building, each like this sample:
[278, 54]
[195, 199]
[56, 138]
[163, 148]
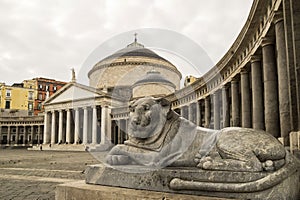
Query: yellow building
[189, 80]
[17, 98]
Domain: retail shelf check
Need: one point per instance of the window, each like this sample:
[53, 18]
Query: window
[40, 96]
[40, 87]
[8, 93]
[47, 87]
[7, 104]
[30, 106]
[54, 88]
[30, 95]
[39, 107]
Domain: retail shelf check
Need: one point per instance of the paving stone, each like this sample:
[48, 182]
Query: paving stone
[16, 165]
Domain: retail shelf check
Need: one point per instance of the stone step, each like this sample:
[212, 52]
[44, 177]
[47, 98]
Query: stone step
[60, 147]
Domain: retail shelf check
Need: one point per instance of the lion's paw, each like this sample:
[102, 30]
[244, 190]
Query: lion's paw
[268, 165]
[205, 162]
[117, 160]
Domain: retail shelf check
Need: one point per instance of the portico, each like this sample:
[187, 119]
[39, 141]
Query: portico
[77, 114]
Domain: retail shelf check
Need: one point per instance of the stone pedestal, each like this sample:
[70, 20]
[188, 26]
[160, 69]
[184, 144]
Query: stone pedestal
[80, 190]
[283, 184]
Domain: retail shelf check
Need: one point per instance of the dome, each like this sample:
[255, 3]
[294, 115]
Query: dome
[153, 76]
[128, 65]
[152, 84]
[134, 49]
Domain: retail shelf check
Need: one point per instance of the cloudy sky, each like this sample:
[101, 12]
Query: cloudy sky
[46, 38]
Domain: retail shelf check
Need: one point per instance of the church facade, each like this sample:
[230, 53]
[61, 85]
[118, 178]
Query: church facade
[96, 115]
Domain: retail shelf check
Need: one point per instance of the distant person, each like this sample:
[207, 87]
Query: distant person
[41, 148]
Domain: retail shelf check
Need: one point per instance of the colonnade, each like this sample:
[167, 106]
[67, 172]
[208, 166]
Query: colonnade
[255, 97]
[79, 125]
[19, 134]
[119, 131]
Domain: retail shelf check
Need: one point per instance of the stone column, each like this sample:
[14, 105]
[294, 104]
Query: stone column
[17, 134]
[94, 126]
[1, 135]
[53, 130]
[105, 125]
[190, 113]
[39, 134]
[60, 127]
[198, 114]
[25, 136]
[77, 127]
[235, 101]
[32, 134]
[46, 128]
[216, 111]
[245, 99]
[257, 93]
[207, 112]
[68, 127]
[123, 130]
[85, 125]
[8, 135]
[283, 82]
[184, 112]
[270, 87]
[119, 132]
[225, 107]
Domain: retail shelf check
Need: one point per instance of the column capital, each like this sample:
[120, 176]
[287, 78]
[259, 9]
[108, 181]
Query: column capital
[255, 58]
[216, 92]
[52, 111]
[225, 86]
[244, 71]
[234, 81]
[85, 107]
[207, 97]
[267, 41]
[93, 106]
[278, 16]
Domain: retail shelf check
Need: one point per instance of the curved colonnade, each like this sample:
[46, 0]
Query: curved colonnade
[256, 83]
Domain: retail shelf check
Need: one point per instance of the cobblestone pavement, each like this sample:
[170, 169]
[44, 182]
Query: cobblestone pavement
[34, 175]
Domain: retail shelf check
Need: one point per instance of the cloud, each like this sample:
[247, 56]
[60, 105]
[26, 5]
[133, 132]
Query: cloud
[46, 38]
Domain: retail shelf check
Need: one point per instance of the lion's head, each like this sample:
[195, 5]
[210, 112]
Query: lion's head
[147, 117]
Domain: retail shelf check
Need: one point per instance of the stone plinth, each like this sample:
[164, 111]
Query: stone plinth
[136, 177]
[80, 190]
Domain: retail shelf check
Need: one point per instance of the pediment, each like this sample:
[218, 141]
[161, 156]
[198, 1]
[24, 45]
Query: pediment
[72, 92]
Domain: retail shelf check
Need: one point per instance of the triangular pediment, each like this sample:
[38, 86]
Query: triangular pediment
[72, 92]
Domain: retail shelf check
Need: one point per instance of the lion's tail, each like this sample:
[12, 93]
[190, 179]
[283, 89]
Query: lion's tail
[261, 184]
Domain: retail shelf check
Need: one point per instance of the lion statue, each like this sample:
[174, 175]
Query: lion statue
[159, 137]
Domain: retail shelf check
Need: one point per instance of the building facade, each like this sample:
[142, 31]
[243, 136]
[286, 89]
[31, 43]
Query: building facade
[21, 131]
[20, 106]
[16, 99]
[44, 89]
